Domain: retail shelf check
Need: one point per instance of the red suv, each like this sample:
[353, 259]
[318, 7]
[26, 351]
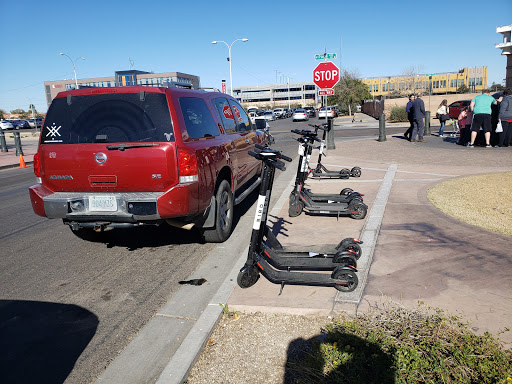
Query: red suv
[455, 108]
[127, 156]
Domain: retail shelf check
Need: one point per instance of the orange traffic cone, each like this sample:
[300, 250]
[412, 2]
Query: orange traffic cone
[22, 162]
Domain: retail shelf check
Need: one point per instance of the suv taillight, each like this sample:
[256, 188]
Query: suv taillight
[187, 166]
[37, 165]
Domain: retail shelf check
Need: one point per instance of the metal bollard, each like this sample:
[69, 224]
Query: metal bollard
[17, 142]
[382, 127]
[3, 144]
[427, 124]
[330, 135]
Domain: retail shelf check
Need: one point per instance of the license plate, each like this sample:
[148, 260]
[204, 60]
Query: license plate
[102, 203]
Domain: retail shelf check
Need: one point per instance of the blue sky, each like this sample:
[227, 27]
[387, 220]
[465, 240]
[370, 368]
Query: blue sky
[379, 38]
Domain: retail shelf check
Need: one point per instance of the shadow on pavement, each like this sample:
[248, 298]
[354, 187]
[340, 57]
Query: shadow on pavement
[351, 360]
[41, 342]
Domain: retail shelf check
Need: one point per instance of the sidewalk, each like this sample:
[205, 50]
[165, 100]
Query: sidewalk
[420, 254]
[29, 143]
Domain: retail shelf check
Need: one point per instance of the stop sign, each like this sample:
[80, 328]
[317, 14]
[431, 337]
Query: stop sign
[326, 75]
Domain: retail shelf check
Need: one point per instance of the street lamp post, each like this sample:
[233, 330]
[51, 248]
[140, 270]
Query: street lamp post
[74, 67]
[229, 58]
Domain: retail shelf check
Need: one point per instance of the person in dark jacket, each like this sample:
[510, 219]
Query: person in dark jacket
[418, 115]
[505, 117]
[408, 109]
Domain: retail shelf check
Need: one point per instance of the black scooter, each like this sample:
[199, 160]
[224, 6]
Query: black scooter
[259, 260]
[320, 170]
[347, 202]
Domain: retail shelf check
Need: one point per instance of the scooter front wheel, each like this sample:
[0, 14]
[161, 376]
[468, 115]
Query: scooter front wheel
[247, 277]
[295, 206]
[346, 191]
[346, 279]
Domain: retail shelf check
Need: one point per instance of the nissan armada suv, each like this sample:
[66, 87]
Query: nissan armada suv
[128, 156]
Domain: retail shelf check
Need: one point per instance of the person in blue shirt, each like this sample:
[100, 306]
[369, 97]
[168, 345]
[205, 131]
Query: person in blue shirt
[408, 109]
[481, 107]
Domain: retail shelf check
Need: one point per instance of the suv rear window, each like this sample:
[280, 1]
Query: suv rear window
[108, 118]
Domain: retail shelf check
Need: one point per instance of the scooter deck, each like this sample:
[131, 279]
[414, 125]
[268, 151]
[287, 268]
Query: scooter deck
[288, 261]
[330, 175]
[304, 278]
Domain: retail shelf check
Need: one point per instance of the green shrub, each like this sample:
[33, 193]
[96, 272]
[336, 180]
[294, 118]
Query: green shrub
[398, 114]
[396, 345]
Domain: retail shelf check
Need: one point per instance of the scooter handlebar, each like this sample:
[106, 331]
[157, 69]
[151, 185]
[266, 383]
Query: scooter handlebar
[274, 151]
[323, 127]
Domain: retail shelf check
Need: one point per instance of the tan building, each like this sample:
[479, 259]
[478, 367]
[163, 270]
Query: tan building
[121, 78]
[475, 79]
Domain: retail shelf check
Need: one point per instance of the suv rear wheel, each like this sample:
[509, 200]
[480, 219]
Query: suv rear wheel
[223, 215]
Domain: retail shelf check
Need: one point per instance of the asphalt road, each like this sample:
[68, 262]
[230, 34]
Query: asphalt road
[75, 304]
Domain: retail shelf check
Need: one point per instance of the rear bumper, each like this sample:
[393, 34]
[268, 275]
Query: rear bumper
[131, 207]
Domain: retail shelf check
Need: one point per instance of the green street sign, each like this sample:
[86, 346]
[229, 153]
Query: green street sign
[325, 56]
[432, 74]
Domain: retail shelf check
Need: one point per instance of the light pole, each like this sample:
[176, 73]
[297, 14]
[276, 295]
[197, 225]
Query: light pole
[229, 58]
[74, 67]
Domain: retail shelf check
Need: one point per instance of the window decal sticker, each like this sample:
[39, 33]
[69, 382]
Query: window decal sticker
[53, 132]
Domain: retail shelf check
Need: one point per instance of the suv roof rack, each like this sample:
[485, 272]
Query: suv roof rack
[212, 89]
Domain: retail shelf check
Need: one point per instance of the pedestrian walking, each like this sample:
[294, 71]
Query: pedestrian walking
[481, 107]
[418, 114]
[505, 118]
[408, 109]
[443, 116]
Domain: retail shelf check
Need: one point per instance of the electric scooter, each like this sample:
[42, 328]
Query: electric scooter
[305, 148]
[321, 170]
[347, 202]
[343, 277]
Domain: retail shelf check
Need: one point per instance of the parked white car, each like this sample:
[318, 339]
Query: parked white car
[6, 125]
[322, 113]
[300, 114]
[279, 113]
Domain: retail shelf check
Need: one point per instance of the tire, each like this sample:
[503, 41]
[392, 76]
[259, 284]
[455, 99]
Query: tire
[357, 210]
[355, 172]
[353, 248]
[345, 173]
[345, 259]
[247, 277]
[295, 206]
[346, 191]
[223, 215]
[346, 278]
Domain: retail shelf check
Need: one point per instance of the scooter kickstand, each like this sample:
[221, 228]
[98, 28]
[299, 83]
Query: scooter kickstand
[282, 287]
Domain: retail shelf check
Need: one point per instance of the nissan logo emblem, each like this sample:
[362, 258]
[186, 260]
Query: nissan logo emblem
[100, 158]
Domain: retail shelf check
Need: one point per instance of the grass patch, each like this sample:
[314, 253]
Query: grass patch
[482, 200]
[397, 345]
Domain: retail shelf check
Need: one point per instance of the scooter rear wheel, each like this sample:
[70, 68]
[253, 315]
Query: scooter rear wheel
[345, 173]
[357, 210]
[344, 259]
[353, 248]
[247, 277]
[346, 279]
[355, 172]
[346, 191]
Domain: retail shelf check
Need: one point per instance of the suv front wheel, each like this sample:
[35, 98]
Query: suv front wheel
[223, 215]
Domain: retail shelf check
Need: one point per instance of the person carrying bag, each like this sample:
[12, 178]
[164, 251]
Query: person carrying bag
[443, 115]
